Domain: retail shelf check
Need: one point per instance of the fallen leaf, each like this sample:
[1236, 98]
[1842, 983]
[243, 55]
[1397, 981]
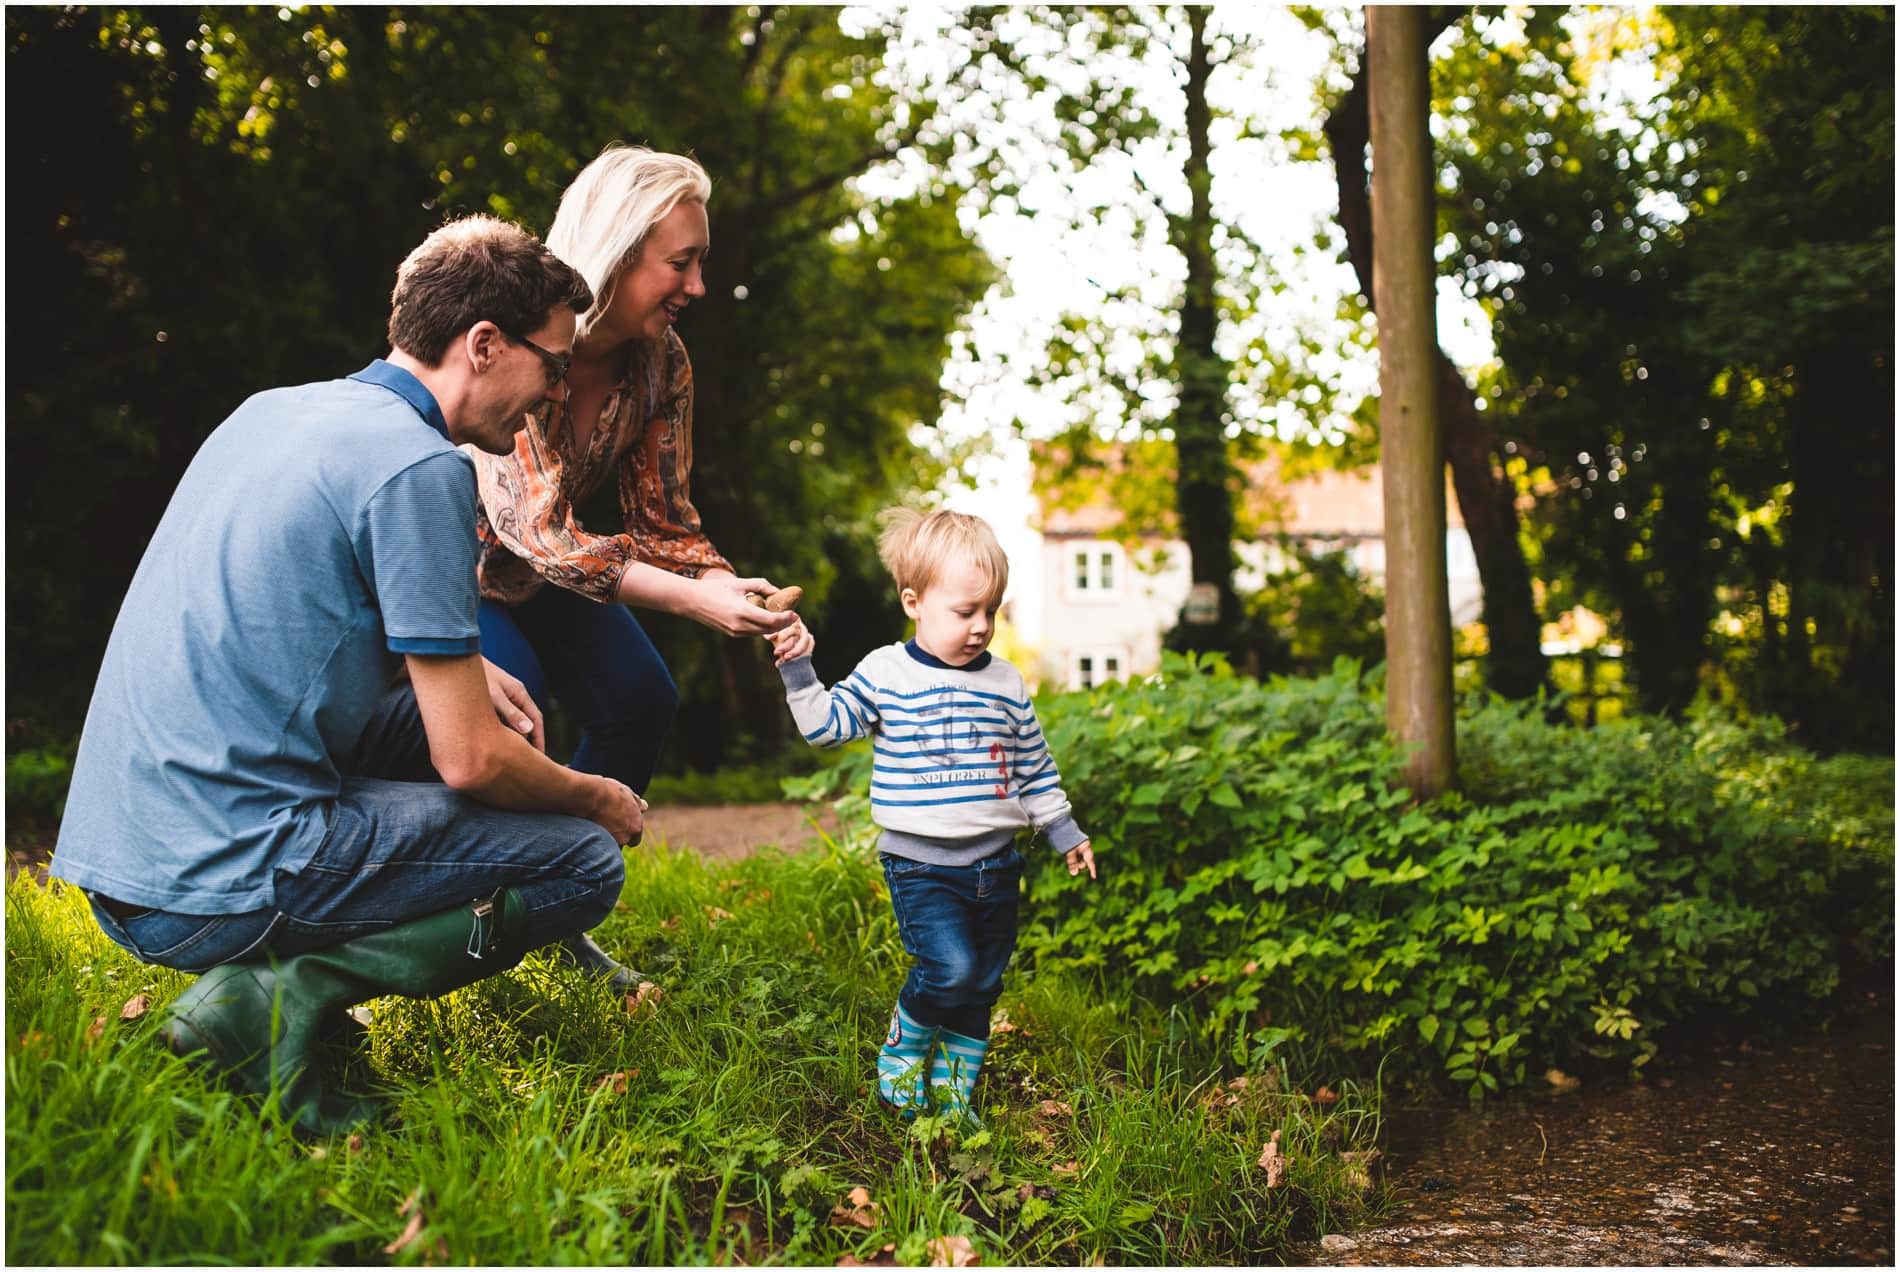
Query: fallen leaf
[96, 1028]
[1562, 1081]
[409, 1233]
[1238, 1084]
[1027, 1191]
[616, 1083]
[716, 915]
[667, 925]
[1055, 1108]
[647, 995]
[951, 1252]
[885, 1258]
[1066, 1168]
[860, 1211]
[1273, 1161]
[1325, 1095]
[1002, 1024]
[135, 1006]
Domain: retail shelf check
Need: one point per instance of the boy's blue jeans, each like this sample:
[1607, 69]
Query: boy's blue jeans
[601, 666]
[401, 845]
[959, 924]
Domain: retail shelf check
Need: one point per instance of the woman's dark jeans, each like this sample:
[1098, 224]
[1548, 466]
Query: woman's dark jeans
[959, 924]
[601, 667]
[400, 845]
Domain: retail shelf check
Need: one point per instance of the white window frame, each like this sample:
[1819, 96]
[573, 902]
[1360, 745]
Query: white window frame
[1103, 567]
[1098, 670]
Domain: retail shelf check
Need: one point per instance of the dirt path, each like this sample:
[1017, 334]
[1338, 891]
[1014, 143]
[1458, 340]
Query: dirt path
[723, 832]
[1764, 1155]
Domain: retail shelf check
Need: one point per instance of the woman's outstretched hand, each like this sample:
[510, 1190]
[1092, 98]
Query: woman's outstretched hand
[718, 600]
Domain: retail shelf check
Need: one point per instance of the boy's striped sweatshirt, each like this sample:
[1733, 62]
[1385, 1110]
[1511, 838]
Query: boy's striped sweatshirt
[959, 763]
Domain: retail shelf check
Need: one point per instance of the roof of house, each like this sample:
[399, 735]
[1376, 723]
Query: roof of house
[1326, 504]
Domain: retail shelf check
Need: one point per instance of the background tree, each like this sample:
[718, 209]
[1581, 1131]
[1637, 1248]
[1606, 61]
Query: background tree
[1678, 283]
[1411, 455]
[1514, 661]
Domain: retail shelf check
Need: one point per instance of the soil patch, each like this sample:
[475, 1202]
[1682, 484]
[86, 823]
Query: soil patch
[723, 832]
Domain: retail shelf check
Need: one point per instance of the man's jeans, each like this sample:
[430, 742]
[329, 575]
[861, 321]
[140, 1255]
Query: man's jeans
[601, 666]
[401, 845]
[959, 924]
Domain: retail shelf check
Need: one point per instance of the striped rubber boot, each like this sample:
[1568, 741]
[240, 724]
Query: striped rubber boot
[903, 1062]
[954, 1063]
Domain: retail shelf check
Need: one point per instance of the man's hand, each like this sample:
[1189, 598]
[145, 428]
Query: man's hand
[1079, 856]
[514, 705]
[618, 811]
[718, 600]
[794, 642]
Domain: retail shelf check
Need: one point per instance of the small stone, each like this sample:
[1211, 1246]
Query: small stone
[1333, 1243]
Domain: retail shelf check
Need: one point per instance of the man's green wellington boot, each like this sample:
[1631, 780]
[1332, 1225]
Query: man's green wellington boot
[582, 951]
[263, 1023]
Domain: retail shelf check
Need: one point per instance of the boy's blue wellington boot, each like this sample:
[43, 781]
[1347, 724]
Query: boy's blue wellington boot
[262, 1024]
[903, 1063]
[954, 1063]
[582, 951]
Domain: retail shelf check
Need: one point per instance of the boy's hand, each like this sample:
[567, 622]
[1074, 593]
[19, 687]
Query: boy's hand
[794, 642]
[1079, 856]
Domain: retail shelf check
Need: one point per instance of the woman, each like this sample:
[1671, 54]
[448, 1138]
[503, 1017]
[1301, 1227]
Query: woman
[633, 224]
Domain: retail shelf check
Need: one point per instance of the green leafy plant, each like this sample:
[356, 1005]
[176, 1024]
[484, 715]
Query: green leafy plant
[1586, 892]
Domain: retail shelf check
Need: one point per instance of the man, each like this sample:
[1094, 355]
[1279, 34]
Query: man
[295, 774]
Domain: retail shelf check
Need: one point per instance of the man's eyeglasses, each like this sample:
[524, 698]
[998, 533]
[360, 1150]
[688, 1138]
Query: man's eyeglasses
[556, 363]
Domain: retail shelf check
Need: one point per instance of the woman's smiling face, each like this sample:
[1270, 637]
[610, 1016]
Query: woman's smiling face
[650, 294]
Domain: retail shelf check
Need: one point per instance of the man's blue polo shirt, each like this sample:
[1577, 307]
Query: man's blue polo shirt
[321, 533]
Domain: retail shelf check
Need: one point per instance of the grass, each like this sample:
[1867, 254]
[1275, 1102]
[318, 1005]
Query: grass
[740, 1123]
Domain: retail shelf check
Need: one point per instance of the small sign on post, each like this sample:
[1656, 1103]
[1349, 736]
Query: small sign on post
[1203, 605]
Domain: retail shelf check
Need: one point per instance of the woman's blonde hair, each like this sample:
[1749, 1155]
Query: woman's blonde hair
[916, 546]
[609, 209]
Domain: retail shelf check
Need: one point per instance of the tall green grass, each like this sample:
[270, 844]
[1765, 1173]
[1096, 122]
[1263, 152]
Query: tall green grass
[742, 1118]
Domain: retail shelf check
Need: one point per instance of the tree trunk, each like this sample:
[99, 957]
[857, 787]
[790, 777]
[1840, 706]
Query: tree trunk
[1418, 609]
[1203, 489]
[1515, 666]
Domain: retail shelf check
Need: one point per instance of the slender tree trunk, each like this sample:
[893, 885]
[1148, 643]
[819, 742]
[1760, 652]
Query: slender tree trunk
[1516, 666]
[1203, 487]
[1418, 609]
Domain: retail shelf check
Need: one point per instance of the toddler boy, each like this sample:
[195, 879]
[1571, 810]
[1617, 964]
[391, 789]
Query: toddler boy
[959, 767]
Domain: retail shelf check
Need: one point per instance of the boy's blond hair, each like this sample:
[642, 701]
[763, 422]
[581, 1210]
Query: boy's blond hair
[916, 546]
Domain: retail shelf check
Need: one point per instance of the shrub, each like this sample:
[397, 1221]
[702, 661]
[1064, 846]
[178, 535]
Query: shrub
[1585, 891]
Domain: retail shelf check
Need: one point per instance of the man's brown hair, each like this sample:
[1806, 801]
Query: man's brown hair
[473, 269]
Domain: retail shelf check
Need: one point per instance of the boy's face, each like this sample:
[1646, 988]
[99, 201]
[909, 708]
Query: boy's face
[955, 615]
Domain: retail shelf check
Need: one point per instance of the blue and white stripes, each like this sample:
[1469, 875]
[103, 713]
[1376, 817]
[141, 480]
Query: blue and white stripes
[957, 751]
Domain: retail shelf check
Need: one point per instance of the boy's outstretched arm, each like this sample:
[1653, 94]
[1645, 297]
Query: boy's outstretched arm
[845, 713]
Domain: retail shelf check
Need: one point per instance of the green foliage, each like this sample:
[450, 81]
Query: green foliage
[1691, 298]
[37, 778]
[1586, 893]
[533, 1122]
[1317, 607]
